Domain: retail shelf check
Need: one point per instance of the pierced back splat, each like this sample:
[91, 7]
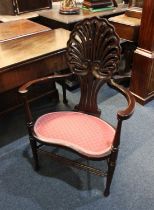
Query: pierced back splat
[93, 53]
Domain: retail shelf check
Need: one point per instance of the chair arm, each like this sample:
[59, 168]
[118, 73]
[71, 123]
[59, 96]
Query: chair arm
[127, 112]
[24, 88]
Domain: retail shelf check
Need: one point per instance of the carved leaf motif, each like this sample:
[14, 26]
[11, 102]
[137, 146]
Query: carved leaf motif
[93, 53]
[93, 48]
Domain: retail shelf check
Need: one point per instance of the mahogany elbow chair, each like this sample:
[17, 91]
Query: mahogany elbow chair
[93, 54]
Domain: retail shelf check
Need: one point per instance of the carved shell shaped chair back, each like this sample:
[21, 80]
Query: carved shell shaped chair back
[93, 53]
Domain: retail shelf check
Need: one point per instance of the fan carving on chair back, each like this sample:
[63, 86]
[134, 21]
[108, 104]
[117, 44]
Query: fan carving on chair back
[93, 53]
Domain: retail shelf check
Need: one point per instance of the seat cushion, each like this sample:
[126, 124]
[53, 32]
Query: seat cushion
[84, 133]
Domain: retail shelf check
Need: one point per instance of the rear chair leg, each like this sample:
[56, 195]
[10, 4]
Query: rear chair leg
[65, 101]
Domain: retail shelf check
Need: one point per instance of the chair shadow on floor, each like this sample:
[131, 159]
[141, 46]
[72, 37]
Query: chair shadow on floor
[84, 181]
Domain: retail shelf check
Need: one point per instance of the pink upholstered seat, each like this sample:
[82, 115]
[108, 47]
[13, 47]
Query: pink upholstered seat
[84, 133]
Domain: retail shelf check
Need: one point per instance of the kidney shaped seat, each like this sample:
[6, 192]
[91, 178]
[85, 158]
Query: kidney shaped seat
[84, 133]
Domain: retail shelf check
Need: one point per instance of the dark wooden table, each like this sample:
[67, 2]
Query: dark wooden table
[20, 28]
[29, 57]
[53, 19]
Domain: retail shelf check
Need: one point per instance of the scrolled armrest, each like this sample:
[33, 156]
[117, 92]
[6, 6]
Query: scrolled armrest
[128, 111]
[24, 88]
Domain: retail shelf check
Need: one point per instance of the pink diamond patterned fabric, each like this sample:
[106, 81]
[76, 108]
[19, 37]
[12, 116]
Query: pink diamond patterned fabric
[84, 133]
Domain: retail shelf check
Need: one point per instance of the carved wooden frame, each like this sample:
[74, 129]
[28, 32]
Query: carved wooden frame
[93, 53]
